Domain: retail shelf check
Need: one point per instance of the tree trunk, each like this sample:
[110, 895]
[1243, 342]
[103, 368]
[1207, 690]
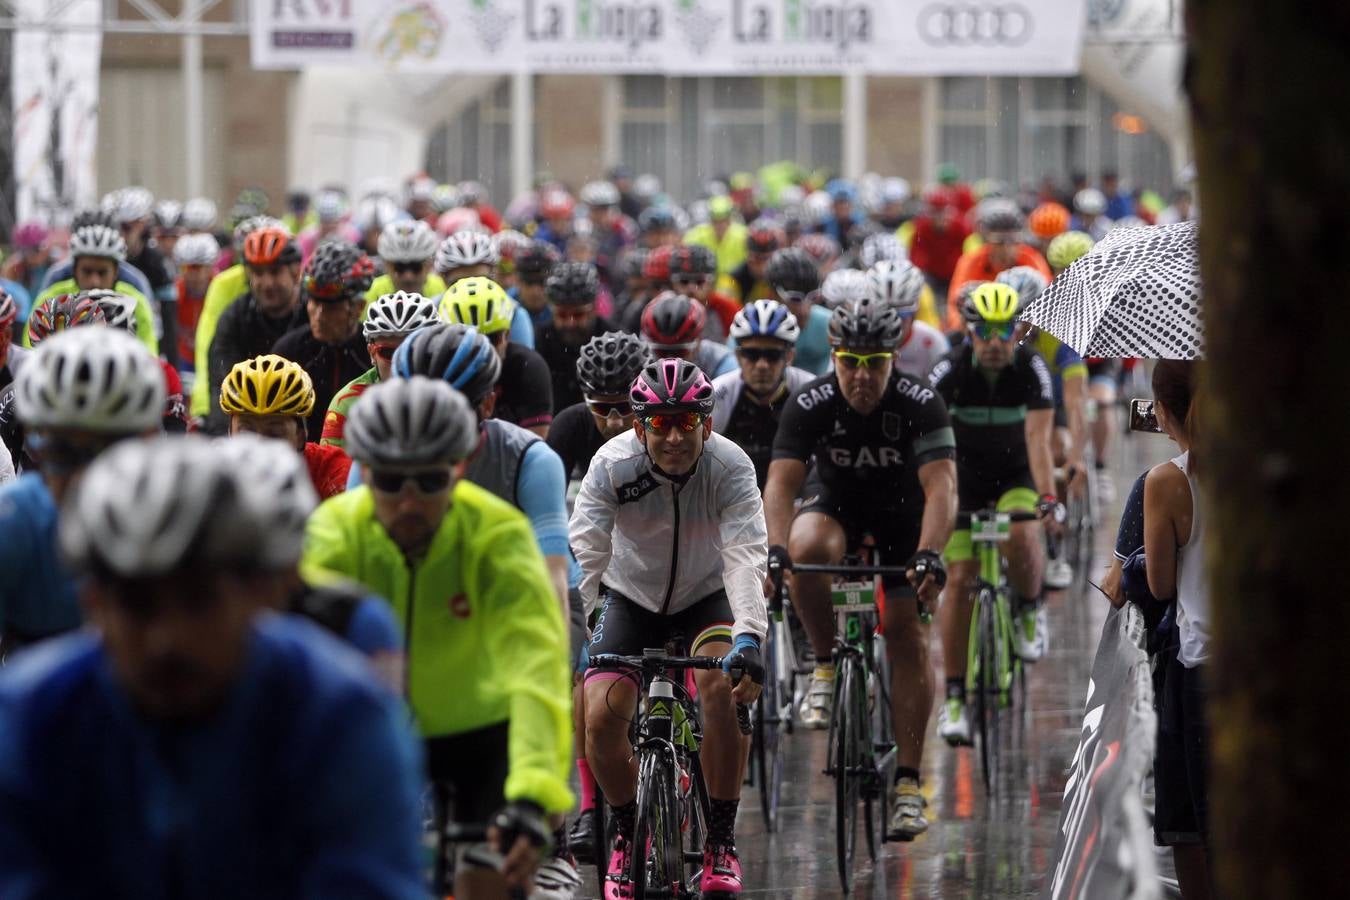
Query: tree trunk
[1269, 87]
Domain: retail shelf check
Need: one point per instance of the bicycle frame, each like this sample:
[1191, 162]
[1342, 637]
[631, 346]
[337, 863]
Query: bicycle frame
[987, 531]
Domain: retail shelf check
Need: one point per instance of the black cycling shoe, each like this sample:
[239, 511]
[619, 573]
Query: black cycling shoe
[581, 839]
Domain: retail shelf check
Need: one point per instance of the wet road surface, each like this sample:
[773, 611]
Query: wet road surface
[975, 847]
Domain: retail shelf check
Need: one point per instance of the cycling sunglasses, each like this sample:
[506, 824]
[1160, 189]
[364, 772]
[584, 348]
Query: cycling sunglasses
[603, 408]
[755, 354]
[406, 268]
[383, 351]
[325, 292]
[661, 423]
[990, 331]
[853, 360]
[388, 481]
[698, 280]
[794, 296]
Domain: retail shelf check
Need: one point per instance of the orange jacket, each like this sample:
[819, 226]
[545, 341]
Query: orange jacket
[975, 266]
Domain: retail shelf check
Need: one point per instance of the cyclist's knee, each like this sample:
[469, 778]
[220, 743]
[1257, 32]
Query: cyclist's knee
[816, 539]
[608, 701]
[713, 688]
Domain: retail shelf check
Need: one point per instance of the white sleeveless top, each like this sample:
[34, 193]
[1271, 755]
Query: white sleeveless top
[1193, 616]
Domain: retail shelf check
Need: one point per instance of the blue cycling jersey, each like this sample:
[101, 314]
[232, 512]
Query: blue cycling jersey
[37, 591]
[304, 783]
[373, 629]
[522, 328]
[125, 272]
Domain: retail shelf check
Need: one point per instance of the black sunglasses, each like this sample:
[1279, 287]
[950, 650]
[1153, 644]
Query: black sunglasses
[755, 354]
[406, 268]
[387, 481]
[603, 408]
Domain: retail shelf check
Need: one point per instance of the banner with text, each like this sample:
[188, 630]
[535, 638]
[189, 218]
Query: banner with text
[54, 91]
[674, 37]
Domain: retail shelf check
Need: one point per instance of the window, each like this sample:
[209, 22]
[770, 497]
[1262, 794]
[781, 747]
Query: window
[1022, 130]
[476, 145]
[688, 130]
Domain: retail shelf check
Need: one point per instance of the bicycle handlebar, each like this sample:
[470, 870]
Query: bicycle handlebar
[658, 664]
[1017, 515]
[842, 569]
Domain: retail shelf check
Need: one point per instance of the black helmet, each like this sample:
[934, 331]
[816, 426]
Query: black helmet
[572, 284]
[631, 263]
[457, 354]
[790, 269]
[1000, 214]
[866, 325]
[692, 259]
[656, 218]
[609, 363]
[535, 262]
[338, 270]
[673, 320]
[11, 429]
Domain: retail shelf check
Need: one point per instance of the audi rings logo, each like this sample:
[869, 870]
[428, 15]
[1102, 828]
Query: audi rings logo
[975, 24]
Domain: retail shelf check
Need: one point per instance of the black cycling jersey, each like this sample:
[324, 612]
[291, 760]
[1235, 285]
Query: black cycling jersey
[872, 460]
[989, 411]
[525, 389]
[754, 428]
[574, 437]
[561, 358]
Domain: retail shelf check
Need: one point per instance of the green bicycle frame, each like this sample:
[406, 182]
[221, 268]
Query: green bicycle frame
[987, 531]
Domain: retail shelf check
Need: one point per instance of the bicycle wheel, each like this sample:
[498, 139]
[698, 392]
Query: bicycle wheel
[990, 689]
[602, 840]
[656, 862]
[844, 733]
[769, 737]
[883, 757]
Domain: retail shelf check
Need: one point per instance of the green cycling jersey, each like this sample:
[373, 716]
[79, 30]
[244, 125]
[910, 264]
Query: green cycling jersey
[485, 641]
[433, 287]
[227, 287]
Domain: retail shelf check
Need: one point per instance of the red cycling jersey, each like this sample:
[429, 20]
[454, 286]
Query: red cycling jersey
[328, 469]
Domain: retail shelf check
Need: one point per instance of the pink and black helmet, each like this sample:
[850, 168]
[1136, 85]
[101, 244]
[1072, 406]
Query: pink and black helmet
[671, 385]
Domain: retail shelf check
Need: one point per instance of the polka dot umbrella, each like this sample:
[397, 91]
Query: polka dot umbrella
[1135, 294]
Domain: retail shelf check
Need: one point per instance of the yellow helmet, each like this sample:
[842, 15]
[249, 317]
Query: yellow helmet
[479, 302]
[991, 302]
[268, 385]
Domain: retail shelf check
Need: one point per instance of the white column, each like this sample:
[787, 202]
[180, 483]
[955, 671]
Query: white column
[855, 124]
[522, 132]
[193, 117]
[928, 148]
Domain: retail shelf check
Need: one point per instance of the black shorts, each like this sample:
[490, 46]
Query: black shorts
[576, 623]
[1181, 763]
[1104, 368]
[977, 493]
[625, 629]
[473, 765]
[895, 532]
[1061, 416]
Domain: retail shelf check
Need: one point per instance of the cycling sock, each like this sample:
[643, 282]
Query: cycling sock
[587, 785]
[625, 818]
[722, 821]
[956, 688]
[905, 772]
[825, 673]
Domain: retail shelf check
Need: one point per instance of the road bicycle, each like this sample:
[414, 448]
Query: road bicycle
[992, 664]
[672, 796]
[773, 711]
[861, 754]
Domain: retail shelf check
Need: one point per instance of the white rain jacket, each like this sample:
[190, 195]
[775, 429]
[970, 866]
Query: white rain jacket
[665, 546]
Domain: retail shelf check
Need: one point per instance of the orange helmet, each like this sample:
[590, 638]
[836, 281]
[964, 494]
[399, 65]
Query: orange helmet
[1048, 220]
[269, 247]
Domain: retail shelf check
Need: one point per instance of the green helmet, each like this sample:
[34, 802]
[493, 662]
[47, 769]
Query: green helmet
[1065, 248]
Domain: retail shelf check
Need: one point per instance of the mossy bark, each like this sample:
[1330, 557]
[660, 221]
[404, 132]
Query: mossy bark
[1269, 87]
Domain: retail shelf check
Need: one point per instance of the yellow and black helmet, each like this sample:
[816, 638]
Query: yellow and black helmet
[991, 302]
[268, 385]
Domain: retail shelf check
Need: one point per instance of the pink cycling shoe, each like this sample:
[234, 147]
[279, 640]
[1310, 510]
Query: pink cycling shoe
[721, 872]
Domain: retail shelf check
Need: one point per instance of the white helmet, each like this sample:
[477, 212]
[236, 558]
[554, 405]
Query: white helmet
[150, 507]
[278, 494]
[330, 206]
[1026, 280]
[897, 283]
[646, 186]
[411, 422]
[119, 310]
[196, 250]
[130, 204]
[816, 207]
[91, 379]
[376, 212]
[169, 214]
[894, 190]
[444, 197]
[466, 248]
[407, 241]
[599, 193]
[98, 240]
[1090, 202]
[881, 246]
[398, 314]
[471, 193]
[199, 214]
[843, 286]
[766, 318]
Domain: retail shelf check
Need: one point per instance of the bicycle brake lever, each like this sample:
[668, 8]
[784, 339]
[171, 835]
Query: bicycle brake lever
[743, 718]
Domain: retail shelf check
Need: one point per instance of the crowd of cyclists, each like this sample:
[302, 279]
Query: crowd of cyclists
[479, 448]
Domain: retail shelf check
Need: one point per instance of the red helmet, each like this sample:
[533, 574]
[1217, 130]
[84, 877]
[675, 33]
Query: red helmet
[556, 203]
[673, 321]
[656, 269]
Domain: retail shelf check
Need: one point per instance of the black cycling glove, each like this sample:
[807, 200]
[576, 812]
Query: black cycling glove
[928, 562]
[521, 818]
[779, 556]
[745, 656]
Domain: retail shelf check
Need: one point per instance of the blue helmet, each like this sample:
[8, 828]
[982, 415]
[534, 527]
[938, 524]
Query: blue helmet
[457, 354]
[766, 318]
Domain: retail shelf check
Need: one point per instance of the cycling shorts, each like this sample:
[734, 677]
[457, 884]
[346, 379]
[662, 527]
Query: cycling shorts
[895, 532]
[576, 623]
[1061, 416]
[473, 765]
[1105, 371]
[1015, 494]
[625, 629]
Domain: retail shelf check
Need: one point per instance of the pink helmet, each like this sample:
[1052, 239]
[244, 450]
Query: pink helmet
[671, 385]
[30, 236]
